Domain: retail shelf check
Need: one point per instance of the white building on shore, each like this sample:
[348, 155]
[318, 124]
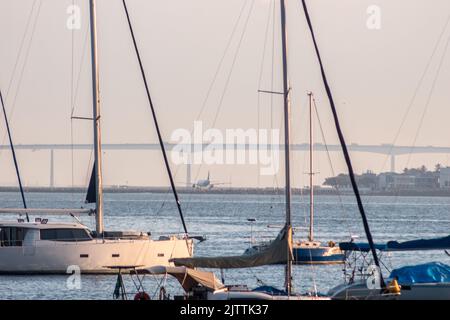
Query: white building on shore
[444, 178]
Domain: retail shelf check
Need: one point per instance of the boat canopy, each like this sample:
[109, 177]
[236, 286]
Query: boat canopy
[276, 252]
[413, 245]
[434, 272]
[188, 278]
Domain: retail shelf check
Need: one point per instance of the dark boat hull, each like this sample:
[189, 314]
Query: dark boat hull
[318, 255]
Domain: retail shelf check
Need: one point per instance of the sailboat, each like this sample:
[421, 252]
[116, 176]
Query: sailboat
[279, 251]
[41, 246]
[205, 286]
[365, 279]
[429, 281]
[310, 251]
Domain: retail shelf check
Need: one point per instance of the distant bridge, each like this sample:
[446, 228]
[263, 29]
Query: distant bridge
[386, 149]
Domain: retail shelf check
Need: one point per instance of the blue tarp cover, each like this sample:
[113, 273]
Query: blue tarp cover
[433, 272]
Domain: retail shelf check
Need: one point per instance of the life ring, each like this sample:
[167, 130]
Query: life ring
[142, 296]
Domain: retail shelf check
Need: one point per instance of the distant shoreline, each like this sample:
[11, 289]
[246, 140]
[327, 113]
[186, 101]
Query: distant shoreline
[255, 191]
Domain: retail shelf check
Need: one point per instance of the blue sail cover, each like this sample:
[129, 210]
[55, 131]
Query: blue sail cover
[422, 244]
[364, 247]
[433, 272]
[418, 245]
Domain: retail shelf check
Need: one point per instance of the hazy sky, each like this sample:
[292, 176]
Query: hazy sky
[373, 74]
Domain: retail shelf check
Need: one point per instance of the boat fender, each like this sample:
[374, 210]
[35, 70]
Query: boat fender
[142, 296]
[394, 287]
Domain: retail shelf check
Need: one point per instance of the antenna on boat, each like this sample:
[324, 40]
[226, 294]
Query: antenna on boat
[311, 171]
[286, 145]
[96, 121]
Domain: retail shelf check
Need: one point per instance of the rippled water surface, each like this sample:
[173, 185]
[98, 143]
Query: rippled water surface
[223, 220]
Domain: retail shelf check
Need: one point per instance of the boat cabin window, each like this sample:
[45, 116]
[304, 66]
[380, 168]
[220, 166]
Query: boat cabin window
[65, 234]
[11, 236]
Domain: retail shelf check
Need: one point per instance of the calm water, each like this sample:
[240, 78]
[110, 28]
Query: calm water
[223, 220]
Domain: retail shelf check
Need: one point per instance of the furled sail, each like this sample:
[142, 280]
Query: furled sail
[412, 245]
[91, 195]
[421, 244]
[278, 251]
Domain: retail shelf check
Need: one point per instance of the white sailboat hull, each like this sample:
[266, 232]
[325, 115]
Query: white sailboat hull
[96, 256]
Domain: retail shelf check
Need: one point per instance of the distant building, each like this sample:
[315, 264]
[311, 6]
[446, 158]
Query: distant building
[395, 181]
[403, 182]
[444, 178]
[427, 181]
[418, 179]
[385, 180]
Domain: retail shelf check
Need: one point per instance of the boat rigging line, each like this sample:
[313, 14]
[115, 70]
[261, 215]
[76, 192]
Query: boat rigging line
[212, 83]
[161, 142]
[330, 162]
[22, 43]
[430, 95]
[258, 102]
[344, 147]
[236, 54]
[416, 90]
[16, 165]
[25, 59]
[426, 108]
[230, 72]
[222, 60]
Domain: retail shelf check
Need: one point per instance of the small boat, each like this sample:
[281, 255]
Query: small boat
[429, 281]
[435, 285]
[40, 246]
[197, 285]
[314, 252]
[310, 251]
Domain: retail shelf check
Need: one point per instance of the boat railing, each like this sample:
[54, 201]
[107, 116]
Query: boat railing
[76, 241]
[93, 241]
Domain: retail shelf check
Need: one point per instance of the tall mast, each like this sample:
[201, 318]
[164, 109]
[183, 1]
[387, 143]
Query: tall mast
[311, 170]
[96, 121]
[286, 141]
